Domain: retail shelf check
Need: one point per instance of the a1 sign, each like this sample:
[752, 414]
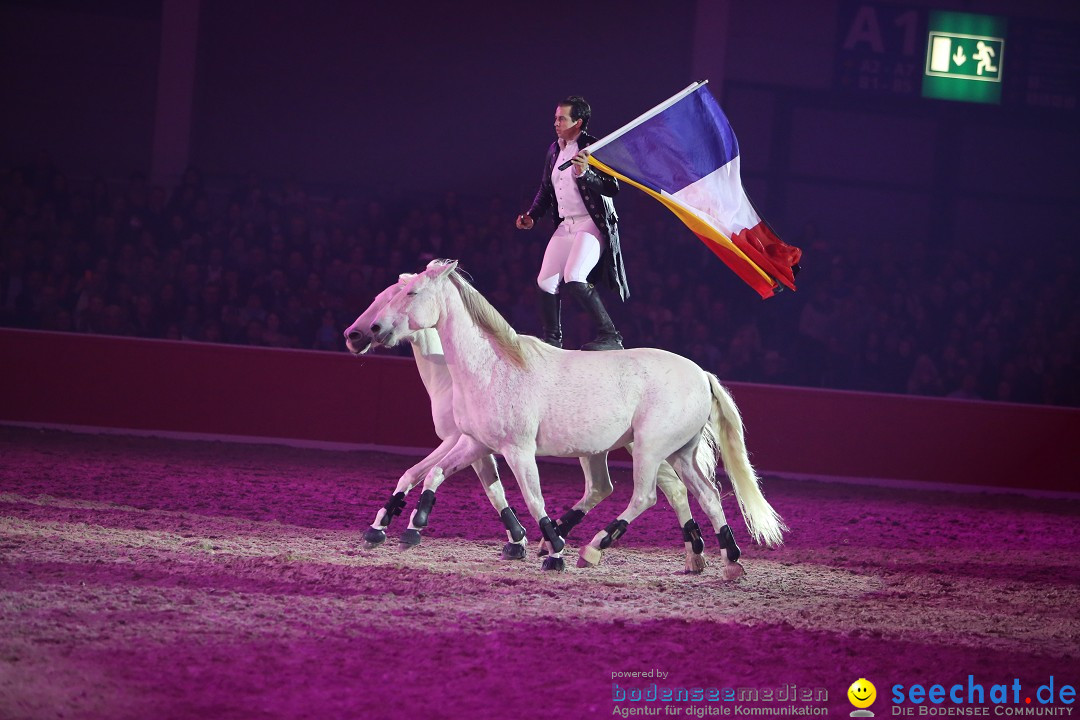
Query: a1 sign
[880, 48]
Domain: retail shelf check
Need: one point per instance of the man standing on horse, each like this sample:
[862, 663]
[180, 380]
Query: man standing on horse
[584, 250]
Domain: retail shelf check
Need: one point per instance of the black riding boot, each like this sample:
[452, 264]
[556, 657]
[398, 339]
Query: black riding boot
[607, 338]
[549, 316]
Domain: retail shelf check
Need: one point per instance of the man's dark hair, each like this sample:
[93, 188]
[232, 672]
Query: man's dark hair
[579, 109]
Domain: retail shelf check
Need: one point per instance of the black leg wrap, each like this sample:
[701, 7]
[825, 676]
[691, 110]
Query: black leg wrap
[393, 507]
[423, 508]
[691, 533]
[615, 530]
[551, 534]
[569, 519]
[510, 522]
[727, 542]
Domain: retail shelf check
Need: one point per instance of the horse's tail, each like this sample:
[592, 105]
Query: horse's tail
[724, 433]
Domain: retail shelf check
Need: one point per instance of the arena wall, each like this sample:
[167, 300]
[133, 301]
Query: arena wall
[59, 379]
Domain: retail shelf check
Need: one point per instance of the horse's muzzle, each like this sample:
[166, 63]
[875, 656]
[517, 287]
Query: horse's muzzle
[357, 342]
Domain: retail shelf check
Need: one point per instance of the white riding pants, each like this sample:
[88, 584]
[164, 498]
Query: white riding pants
[571, 254]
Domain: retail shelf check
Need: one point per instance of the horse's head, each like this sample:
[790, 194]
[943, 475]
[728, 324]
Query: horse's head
[358, 337]
[415, 307]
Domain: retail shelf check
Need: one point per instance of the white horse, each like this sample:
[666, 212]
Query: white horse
[519, 397]
[432, 368]
[431, 364]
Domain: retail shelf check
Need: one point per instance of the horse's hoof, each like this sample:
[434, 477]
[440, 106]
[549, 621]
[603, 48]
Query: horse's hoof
[513, 551]
[553, 563]
[374, 538]
[695, 563]
[733, 571]
[410, 539]
[590, 555]
[544, 549]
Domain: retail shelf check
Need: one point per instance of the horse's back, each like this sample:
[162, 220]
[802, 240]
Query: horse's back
[649, 365]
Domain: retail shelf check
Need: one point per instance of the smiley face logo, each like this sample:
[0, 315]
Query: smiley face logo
[862, 693]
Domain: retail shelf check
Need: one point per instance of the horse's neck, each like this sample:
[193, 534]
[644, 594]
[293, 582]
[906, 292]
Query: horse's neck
[430, 361]
[470, 355]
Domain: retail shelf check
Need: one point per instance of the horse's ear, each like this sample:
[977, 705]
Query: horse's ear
[442, 267]
[405, 277]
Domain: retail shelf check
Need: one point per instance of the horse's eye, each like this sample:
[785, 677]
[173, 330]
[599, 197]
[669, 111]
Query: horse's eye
[411, 293]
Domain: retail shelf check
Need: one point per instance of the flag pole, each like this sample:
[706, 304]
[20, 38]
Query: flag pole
[611, 137]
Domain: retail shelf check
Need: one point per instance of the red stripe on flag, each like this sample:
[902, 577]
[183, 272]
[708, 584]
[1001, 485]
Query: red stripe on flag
[740, 267]
[771, 254]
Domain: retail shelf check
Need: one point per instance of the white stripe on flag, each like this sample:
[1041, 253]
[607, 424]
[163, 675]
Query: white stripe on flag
[720, 195]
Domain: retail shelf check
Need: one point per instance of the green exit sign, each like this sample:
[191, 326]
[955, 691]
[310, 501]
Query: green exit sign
[968, 57]
[965, 57]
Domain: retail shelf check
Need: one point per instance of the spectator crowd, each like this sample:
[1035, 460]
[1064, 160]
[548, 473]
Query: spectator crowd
[275, 266]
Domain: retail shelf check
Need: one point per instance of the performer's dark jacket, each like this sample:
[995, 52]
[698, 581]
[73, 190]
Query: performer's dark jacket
[597, 189]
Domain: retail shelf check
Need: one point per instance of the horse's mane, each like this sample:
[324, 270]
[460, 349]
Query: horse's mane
[518, 348]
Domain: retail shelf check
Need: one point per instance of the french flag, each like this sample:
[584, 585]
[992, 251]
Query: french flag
[684, 153]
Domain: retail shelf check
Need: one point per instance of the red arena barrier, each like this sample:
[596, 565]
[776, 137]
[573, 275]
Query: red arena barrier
[161, 386]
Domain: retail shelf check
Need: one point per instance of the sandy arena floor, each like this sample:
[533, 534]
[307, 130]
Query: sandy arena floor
[149, 578]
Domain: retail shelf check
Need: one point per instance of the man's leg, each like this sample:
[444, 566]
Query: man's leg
[583, 257]
[551, 269]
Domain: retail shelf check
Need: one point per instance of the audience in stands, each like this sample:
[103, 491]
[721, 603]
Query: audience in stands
[277, 267]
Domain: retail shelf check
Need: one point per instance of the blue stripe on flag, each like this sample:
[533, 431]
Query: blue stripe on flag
[677, 147]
